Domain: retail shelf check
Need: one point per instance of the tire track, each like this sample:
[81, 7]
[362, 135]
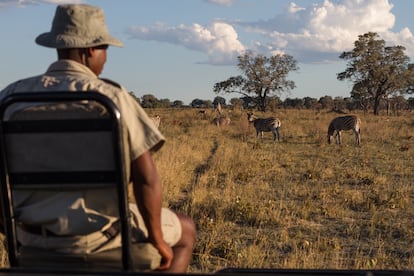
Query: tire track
[199, 171]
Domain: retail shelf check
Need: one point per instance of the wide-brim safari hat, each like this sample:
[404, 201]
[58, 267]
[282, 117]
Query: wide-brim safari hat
[77, 26]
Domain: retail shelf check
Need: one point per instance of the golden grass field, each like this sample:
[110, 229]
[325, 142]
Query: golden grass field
[297, 203]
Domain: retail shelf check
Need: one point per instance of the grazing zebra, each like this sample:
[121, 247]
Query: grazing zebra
[156, 120]
[265, 125]
[218, 109]
[345, 123]
[221, 121]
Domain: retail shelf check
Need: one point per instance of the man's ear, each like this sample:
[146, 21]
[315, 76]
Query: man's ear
[84, 53]
[90, 52]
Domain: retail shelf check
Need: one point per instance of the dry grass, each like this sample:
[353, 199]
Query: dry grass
[298, 203]
[4, 261]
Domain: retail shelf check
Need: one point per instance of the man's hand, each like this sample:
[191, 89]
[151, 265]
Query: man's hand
[166, 255]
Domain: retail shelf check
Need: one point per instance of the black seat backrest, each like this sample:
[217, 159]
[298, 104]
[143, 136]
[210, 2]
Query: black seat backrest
[62, 141]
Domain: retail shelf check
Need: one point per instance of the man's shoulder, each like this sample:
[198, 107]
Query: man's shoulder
[111, 82]
[19, 85]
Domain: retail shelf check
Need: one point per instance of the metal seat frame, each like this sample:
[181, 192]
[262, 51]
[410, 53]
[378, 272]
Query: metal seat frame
[13, 180]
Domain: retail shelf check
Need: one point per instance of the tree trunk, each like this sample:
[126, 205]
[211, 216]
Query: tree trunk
[377, 101]
[262, 103]
[388, 107]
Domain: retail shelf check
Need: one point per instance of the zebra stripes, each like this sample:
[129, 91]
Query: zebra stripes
[270, 124]
[345, 123]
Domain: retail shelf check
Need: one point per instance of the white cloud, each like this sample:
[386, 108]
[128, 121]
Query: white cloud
[218, 40]
[324, 29]
[220, 2]
[312, 34]
[404, 38]
[293, 8]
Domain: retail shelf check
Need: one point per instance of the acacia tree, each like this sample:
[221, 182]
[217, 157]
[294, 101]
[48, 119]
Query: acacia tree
[263, 77]
[377, 71]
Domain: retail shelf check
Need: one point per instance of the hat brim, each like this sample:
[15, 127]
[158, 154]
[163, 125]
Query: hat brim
[67, 41]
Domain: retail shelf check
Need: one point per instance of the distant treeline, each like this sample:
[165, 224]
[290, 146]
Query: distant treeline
[390, 105]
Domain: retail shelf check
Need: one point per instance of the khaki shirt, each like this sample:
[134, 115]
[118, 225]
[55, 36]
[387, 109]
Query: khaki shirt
[72, 214]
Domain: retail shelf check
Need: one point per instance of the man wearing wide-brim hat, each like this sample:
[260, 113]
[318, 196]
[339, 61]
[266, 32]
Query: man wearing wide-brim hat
[80, 35]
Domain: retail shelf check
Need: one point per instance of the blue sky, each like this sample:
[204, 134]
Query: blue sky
[178, 49]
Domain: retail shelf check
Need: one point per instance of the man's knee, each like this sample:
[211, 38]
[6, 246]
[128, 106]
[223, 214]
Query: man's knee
[188, 228]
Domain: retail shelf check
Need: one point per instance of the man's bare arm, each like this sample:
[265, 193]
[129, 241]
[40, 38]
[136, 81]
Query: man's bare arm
[148, 195]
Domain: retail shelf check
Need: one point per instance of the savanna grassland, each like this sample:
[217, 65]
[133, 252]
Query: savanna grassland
[297, 203]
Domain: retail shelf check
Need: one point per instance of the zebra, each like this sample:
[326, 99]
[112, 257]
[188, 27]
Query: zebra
[347, 122]
[218, 109]
[221, 121]
[265, 125]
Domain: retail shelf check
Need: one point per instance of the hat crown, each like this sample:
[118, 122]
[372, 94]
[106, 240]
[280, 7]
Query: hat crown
[77, 26]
